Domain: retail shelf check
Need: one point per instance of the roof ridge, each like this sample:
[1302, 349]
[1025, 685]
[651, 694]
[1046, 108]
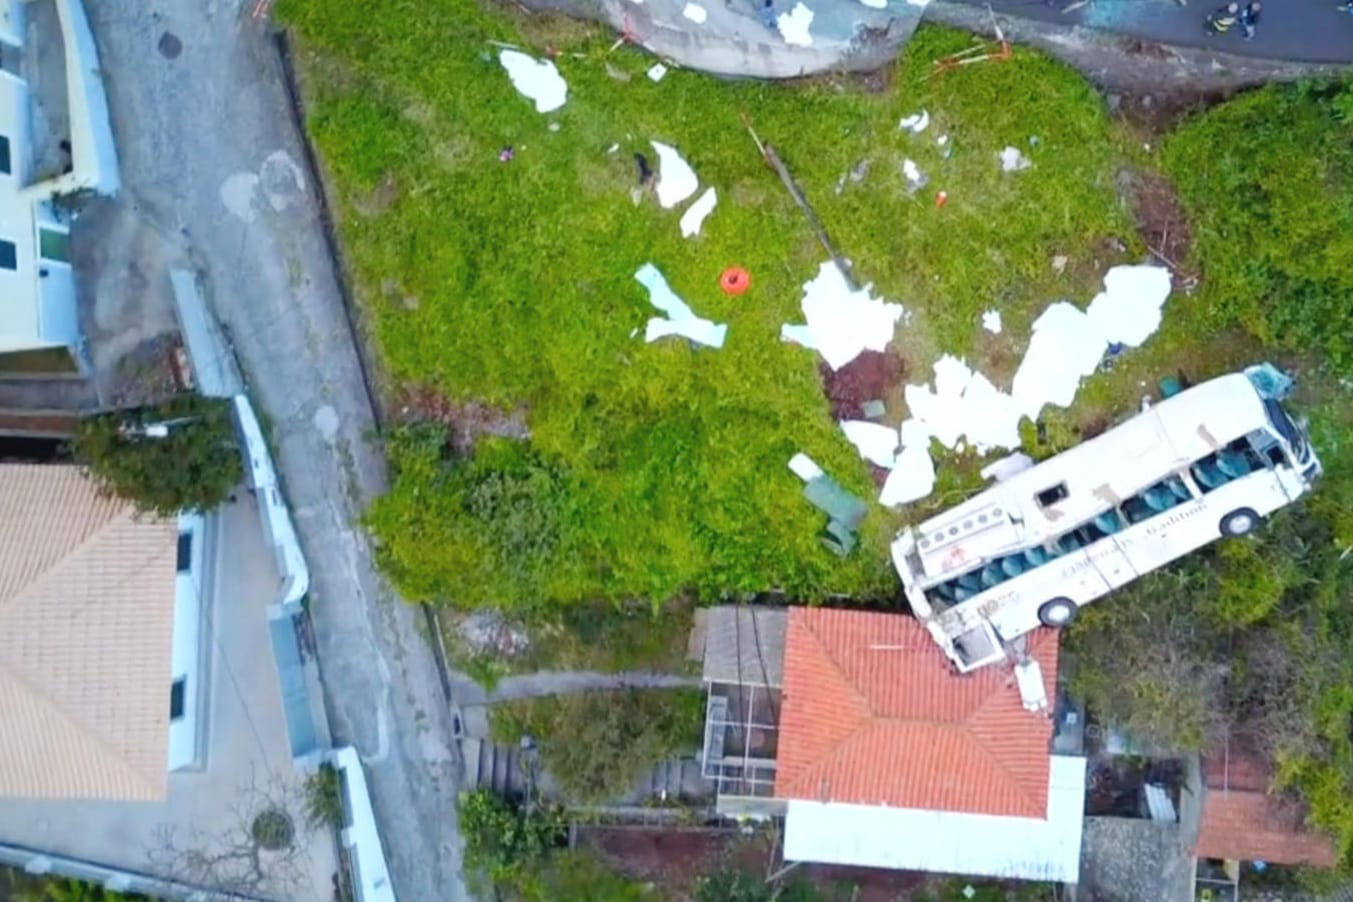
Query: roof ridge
[116, 514]
[978, 742]
[109, 753]
[840, 671]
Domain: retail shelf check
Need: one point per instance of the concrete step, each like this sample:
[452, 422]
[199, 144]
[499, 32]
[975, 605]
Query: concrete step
[469, 753]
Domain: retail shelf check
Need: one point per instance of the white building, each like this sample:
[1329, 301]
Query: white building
[37, 166]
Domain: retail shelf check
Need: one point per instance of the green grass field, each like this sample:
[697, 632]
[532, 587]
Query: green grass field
[654, 469]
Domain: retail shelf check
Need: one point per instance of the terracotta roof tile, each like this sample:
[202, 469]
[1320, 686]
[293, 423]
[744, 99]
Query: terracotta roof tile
[1250, 826]
[873, 714]
[86, 625]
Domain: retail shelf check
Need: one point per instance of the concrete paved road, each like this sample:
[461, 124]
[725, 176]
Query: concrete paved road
[214, 173]
[1311, 31]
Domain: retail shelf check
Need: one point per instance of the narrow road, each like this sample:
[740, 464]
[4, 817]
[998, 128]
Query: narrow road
[562, 682]
[1309, 31]
[215, 178]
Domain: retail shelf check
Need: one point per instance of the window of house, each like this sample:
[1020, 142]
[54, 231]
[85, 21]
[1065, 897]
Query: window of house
[9, 255]
[54, 245]
[185, 552]
[176, 693]
[4, 155]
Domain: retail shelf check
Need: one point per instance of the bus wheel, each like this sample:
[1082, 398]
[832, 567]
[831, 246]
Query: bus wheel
[1239, 522]
[1057, 613]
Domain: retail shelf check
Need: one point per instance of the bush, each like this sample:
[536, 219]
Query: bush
[1267, 180]
[506, 842]
[193, 466]
[324, 799]
[595, 745]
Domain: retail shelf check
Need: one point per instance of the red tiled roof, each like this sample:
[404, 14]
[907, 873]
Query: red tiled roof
[1242, 821]
[1248, 826]
[873, 714]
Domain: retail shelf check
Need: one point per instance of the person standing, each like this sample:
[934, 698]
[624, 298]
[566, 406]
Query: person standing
[1249, 17]
[1221, 20]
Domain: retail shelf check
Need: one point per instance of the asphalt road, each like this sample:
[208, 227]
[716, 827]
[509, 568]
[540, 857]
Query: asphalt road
[1310, 31]
[215, 178]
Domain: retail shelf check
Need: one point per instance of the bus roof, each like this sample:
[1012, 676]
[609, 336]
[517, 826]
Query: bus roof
[1089, 478]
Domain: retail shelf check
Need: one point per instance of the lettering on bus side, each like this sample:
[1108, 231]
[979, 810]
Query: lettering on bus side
[992, 605]
[1174, 518]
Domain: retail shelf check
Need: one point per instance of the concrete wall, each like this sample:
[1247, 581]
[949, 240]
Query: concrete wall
[118, 880]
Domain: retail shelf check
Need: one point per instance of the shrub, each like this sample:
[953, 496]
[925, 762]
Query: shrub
[504, 841]
[324, 799]
[180, 455]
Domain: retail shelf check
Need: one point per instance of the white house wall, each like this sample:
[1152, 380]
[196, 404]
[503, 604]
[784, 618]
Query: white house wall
[187, 650]
[945, 842]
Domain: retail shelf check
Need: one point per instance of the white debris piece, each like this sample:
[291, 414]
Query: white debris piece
[680, 319]
[1029, 679]
[696, 13]
[1012, 160]
[1010, 465]
[805, 467]
[916, 122]
[991, 321]
[794, 24]
[875, 4]
[1128, 310]
[875, 442]
[695, 214]
[915, 178]
[656, 72]
[963, 404]
[840, 322]
[613, 148]
[942, 140]
[912, 477]
[537, 79]
[1067, 345]
[676, 178]
[921, 4]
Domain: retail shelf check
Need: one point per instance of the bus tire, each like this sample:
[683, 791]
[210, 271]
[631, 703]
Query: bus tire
[1057, 613]
[1239, 522]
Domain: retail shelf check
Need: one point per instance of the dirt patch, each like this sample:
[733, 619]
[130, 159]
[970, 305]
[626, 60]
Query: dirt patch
[671, 857]
[467, 421]
[872, 376]
[1160, 221]
[378, 200]
[1154, 115]
[148, 374]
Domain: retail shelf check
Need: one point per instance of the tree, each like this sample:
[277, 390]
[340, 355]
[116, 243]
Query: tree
[179, 455]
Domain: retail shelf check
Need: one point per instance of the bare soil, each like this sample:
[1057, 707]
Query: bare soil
[1161, 222]
[150, 373]
[872, 376]
[467, 421]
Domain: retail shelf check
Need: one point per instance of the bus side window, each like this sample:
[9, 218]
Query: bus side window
[1222, 466]
[1155, 499]
[1051, 495]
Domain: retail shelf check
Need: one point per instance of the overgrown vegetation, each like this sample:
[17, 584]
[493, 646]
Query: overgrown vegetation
[1252, 639]
[656, 469]
[324, 799]
[20, 887]
[597, 744]
[180, 455]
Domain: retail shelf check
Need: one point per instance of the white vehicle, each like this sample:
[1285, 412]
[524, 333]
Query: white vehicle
[1208, 462]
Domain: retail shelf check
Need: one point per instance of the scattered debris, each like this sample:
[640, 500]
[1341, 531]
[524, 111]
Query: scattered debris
[696, 13]
[942, 141]
[916, 179]
[876, 443]
[1013, 161]
[845, 511]
[1010, 465]
[963, 403]
[794, 24]
[874, 410]
[553, 126]
[676, 179]
[916, 122]
[735, 280]
[695, 214]
[537, 80]
[912, 477]
[841, 321]
[616, 72]
[645, 171]
[680, 319]
[875, 4]
[505, 155]
[941, 198]
[991, 321]
[1059, 263]
[657, 70]
[613, 148]
[1068, 344]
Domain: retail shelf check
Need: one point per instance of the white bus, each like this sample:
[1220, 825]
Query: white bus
[1211, 461]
